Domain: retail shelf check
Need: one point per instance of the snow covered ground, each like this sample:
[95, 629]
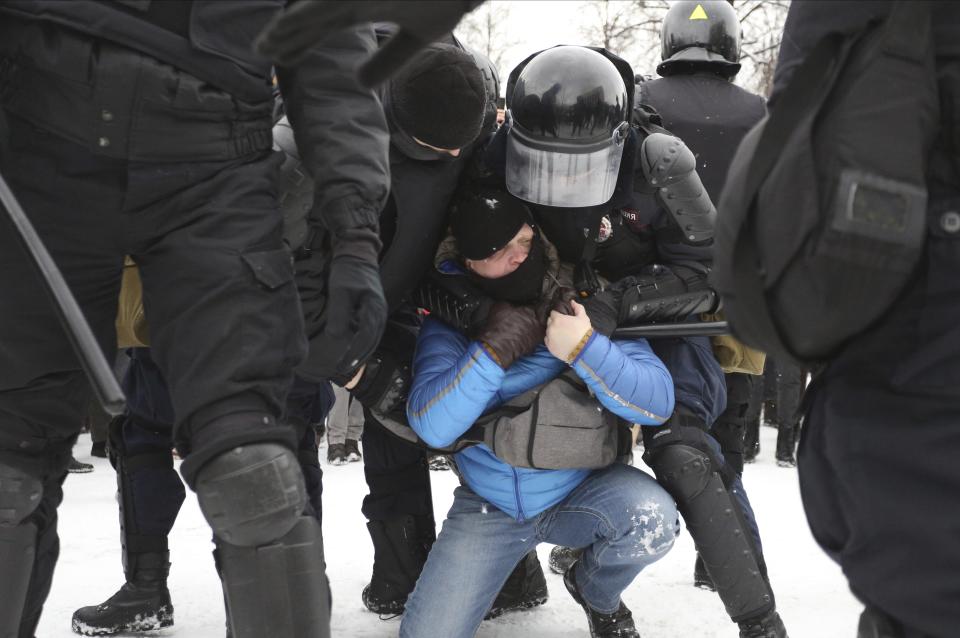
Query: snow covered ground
[811, 592]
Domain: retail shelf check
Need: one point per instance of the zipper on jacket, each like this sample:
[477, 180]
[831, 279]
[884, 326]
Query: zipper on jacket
[534, 418]
[516, 494]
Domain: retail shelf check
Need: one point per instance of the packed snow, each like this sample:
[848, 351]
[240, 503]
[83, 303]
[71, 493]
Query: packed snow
[811, 592]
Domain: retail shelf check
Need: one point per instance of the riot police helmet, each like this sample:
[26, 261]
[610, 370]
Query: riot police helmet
[700, 35]
[568, 117]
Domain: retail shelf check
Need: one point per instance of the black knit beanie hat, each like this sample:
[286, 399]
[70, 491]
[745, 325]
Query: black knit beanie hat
[484, 223]
[439, 97]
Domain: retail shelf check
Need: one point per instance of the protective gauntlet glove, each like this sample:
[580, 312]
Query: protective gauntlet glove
[344, 308]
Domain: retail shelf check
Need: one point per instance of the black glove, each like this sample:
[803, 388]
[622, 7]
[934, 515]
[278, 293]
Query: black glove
[603, 308]
[453, 299]
[344, 308]
[387, 375]
[289, 35]
[511, 332]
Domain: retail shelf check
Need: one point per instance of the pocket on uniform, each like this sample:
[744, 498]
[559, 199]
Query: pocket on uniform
[271, 268]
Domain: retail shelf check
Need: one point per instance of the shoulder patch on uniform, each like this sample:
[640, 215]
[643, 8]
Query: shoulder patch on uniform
[699, 14]
[606, 229]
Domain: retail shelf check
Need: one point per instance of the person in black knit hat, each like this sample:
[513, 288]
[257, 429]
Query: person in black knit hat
[439, 108]
[436, 104]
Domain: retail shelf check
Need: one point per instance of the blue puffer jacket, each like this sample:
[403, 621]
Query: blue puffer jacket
[455, 381]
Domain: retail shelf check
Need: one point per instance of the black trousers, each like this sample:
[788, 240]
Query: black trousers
[878, 457]
[744, 400]
[218, 288]
[397, 475]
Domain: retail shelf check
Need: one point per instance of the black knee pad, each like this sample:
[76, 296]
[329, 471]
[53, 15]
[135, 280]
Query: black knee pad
[684, 471]
[253, 494]
[20, 495]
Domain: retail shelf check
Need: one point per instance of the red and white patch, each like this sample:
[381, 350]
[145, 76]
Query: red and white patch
[606, 229]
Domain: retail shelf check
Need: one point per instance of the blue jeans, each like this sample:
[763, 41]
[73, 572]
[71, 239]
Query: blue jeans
[622, 516]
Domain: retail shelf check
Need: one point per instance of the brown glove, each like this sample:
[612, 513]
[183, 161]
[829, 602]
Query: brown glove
[559, 301]
[511, 332]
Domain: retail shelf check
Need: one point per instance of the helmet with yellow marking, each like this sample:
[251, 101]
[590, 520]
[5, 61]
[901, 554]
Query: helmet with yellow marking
[698, 35]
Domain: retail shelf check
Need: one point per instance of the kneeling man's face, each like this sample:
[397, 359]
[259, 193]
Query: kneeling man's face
[507, 259]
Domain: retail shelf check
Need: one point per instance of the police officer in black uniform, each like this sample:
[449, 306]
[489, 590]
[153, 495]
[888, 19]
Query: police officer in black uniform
[149, 492]
[878, 457]
[143, 128]
[439, 108]
[698, 102]
[574, 147]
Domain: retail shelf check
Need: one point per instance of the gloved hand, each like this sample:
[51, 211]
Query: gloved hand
[603, 308]
[289, 35]
[344, 308]
[558, 302]
[511, 332]
[386, 377]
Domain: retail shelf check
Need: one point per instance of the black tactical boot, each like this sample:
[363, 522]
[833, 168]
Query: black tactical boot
[787, 445]
[701, 578]
[619, 624]
[142, 604]
[767, 626]
[562, 557]
[400, 548]
[526, 587]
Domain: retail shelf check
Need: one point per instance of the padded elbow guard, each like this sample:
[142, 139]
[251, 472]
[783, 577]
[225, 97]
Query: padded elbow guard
[670, 167]
[453, 300]
[253, 494]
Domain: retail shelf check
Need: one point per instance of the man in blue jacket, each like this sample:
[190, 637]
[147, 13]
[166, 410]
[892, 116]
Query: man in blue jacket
[623, 518]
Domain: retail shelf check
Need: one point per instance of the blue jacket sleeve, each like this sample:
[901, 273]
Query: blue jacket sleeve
[453, 382]
[627, 378]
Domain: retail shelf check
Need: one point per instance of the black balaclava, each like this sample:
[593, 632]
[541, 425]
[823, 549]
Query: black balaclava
[439, 98]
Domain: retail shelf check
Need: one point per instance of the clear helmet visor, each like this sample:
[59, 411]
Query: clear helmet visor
[562, 175]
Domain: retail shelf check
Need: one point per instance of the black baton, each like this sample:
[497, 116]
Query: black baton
[654, 330]
[94, 364]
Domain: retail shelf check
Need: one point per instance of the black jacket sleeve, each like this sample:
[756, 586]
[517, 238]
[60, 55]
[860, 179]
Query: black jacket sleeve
[340, 130]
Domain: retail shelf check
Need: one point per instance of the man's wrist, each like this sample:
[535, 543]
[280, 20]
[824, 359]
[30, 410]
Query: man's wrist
[577, 349]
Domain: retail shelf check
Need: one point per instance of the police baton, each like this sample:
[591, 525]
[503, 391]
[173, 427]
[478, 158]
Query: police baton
[654, 330]
[94, 364]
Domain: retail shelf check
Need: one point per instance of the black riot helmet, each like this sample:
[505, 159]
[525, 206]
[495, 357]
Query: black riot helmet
[568, 113]
[698, 35]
